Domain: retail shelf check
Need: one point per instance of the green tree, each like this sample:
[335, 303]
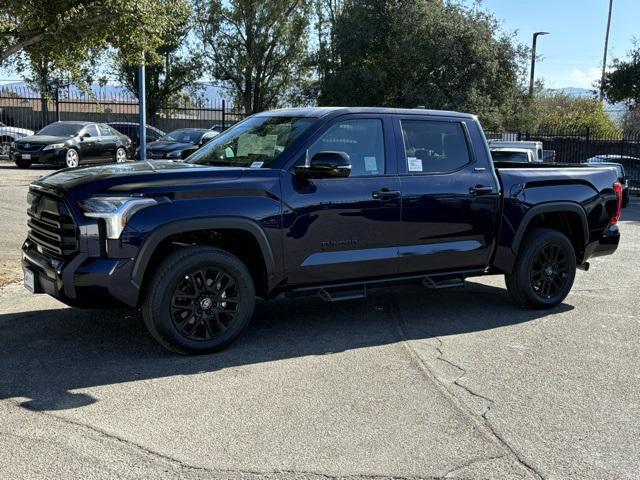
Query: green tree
[559, 112]
[63, 25]
[180, 66]
[622, 83]
[406, 53]
[258, 48]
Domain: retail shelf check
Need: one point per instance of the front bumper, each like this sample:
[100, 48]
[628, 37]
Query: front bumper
[82, 281]
[45, 157]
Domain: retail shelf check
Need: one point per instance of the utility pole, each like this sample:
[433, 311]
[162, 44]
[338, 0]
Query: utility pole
[533, 60]
[142, 110]
[606, 47]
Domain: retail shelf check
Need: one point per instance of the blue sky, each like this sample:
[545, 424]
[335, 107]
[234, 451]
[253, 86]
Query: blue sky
[572, 54]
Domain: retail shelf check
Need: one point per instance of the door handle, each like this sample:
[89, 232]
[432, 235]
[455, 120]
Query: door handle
[385, 194]
[480, 190]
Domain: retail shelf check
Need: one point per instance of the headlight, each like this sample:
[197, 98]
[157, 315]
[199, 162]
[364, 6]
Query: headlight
[116, 211]
[176, 154]
[54, 146]
[13, 144]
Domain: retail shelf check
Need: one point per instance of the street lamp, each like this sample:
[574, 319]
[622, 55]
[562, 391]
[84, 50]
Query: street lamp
[533, 60]
[606, 47]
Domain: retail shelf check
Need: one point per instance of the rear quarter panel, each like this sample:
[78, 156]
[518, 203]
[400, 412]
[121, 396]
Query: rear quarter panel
[525, 188]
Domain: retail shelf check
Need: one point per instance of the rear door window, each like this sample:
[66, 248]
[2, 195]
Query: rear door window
[92, 130]
[432, 146]
[104, 130]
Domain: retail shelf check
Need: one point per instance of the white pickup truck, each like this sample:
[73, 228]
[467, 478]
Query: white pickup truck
[513, 155]
[534, 146]
[8, 135]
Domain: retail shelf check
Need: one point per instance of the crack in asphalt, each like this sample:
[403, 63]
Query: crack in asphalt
[245, 473]
[472, 462]
[483, 420]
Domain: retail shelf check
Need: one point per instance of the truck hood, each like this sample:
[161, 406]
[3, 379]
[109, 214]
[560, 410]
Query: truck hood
[135, 178]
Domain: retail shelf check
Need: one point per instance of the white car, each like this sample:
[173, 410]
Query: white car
[515, 155]
[8, 135]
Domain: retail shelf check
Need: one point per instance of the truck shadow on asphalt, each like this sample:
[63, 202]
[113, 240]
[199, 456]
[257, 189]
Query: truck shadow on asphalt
[46, 355]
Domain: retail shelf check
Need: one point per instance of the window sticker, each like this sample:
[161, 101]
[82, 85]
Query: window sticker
[415, 164]
[370, 164]
[256, 165]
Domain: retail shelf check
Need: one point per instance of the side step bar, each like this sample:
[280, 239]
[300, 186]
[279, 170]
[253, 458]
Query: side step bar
[334, 295]
[354, 292]
[430, 283]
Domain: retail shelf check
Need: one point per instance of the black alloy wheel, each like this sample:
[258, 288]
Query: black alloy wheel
[198, 300]
[205, 303]
[549, 272]
[544, 271]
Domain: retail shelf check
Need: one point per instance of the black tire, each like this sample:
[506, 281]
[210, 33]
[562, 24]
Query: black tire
[23, 163]
[542, 278]
[181, 323]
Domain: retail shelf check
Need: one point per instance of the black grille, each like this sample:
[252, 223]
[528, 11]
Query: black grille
[51, 227]
[28, 147]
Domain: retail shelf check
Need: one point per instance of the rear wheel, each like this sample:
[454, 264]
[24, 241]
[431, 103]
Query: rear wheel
[199, 300]
[121, 155]
[544, 271]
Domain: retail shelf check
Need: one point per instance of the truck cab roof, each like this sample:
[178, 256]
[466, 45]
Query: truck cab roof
[325, 111]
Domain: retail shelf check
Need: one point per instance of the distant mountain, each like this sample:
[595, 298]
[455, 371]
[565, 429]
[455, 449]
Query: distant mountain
[574, 91]
[205, 91]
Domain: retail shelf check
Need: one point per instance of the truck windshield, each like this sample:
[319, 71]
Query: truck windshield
[255, 142]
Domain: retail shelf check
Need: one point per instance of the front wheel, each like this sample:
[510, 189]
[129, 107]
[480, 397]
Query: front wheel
[199, 300]
[71, 159]
[23, 163]
[544, 271]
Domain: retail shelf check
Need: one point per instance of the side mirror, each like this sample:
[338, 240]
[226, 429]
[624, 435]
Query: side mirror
[84, 135]
[326, 165]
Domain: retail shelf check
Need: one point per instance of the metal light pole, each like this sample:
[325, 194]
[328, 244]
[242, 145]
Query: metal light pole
[533, 60]
[606, 47]
[142, 110]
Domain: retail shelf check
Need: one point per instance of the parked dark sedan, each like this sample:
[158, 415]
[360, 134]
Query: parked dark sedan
[607, 161]
[179, 144]
[132, 130]
[71, 143]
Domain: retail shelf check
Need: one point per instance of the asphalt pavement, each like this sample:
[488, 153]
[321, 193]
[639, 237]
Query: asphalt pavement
[409, 383]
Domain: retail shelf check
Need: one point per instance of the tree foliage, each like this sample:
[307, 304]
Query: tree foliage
[406, 53]
[66, 28]
[258, 48]
[180, 66]
[622, 83]
[559, 112]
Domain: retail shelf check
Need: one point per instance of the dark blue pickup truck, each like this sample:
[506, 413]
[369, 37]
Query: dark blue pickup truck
[317, 200]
